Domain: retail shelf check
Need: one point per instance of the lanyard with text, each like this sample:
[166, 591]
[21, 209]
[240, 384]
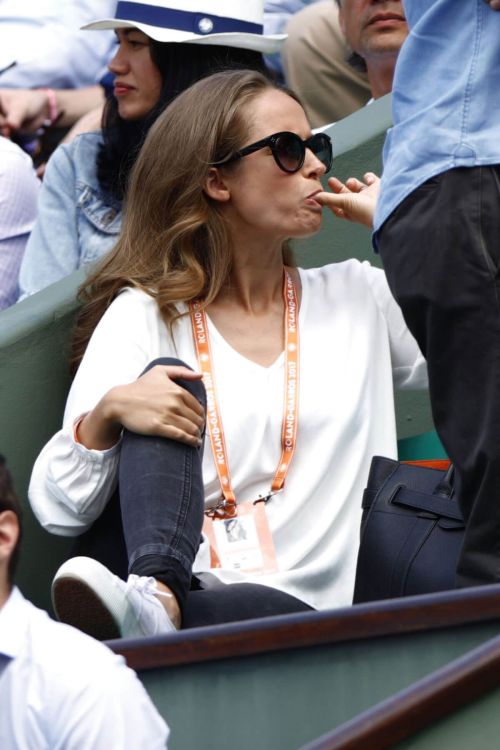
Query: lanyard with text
[227, 510]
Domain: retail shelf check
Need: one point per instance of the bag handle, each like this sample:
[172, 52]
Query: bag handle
[445, 487]
[437, 504]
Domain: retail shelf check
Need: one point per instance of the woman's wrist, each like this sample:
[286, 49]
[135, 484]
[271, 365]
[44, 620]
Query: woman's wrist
[101, 428]
[52, 112]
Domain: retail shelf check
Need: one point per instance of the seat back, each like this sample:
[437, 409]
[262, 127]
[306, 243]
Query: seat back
[34, 380]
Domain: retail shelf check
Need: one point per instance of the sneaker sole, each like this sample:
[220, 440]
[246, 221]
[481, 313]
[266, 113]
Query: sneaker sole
[78, 605]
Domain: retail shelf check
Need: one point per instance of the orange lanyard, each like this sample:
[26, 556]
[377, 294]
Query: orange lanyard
[291, 397]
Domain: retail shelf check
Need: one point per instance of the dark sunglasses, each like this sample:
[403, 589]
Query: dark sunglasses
[289, 150]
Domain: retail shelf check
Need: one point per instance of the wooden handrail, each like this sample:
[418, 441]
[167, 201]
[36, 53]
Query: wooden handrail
[420, 705]
[390, 617]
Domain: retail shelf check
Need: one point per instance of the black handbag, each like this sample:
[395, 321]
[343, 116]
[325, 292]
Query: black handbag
[411, 531]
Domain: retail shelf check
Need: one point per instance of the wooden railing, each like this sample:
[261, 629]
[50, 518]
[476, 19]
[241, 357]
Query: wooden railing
[419, 706]
[392, 617]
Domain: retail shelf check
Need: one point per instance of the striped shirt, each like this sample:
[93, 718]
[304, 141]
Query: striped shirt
[18, 206]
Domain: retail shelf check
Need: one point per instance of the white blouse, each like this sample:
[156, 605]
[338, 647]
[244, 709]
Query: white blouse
[354, 345]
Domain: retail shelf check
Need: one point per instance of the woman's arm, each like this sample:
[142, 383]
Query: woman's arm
[73, 480]
[152, 405]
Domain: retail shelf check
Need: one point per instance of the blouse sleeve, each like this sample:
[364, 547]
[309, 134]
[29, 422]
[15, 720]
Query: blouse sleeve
[71, 484]
[409, 367]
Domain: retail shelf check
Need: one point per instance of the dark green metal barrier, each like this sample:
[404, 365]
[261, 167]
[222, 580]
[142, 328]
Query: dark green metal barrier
[34, 380]
[453, 708]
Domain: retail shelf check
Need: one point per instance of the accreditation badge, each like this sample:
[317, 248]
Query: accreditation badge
[239, 535]
[242, 541]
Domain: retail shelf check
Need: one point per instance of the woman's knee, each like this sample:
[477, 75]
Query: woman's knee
[195, 387]
[166, 362]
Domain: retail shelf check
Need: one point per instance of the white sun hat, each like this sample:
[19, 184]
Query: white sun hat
[232, 23]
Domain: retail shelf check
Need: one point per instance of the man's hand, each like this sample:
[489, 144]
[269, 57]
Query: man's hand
[494, 4]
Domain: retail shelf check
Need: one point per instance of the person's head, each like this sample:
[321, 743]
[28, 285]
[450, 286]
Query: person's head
[149, 74]
[138, 80]
[373, 27]
[140, 64]
[190, 197]
[164, 47]
[375, 31]
[10, 531]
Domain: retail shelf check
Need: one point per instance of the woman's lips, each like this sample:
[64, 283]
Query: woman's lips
[311, 199]
[120, 89]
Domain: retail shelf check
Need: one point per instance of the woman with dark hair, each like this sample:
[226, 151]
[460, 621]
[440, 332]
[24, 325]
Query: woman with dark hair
[297, 366]
[80, 205]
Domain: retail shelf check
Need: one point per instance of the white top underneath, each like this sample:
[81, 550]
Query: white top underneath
[353, 344]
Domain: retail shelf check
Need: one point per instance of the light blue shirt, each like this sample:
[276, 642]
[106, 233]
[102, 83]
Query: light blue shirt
[62, 690]
[77, 222]
[277, 13]
[445, 97]
[43, 38]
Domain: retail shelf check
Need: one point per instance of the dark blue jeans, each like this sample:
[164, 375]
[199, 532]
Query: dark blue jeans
[158, 511]
[161, 498]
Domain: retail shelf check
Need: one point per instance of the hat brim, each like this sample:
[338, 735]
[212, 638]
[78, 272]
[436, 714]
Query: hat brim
[267, 44]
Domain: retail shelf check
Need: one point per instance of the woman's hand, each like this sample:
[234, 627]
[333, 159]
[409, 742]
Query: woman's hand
[355, 200]
[152, 405]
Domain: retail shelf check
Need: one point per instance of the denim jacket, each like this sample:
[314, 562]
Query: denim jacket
[77, 223]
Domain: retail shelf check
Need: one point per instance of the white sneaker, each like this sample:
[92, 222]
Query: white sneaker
[88, 596]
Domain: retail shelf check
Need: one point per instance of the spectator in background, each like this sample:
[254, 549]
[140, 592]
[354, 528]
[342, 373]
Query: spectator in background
[26, 111]
[277, 14]
[18, 207]
[40, 43]
[85, 182]
[373, 31]
[437, 228]
[58, 687]
[442, 194]
[40, 119]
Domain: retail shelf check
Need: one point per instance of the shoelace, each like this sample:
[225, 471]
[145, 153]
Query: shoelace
[145, 585]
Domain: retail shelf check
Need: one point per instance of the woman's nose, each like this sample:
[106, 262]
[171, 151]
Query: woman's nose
[313, 165]
[118, 64]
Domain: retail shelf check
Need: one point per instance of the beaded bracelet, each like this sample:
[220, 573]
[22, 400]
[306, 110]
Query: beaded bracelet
[53, 108]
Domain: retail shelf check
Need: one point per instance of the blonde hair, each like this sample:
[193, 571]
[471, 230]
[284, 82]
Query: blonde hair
[174, 242]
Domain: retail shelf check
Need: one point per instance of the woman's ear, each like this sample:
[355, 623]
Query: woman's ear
[215, 186]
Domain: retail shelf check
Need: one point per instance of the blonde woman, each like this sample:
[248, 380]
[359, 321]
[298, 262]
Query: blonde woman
[259, 513]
